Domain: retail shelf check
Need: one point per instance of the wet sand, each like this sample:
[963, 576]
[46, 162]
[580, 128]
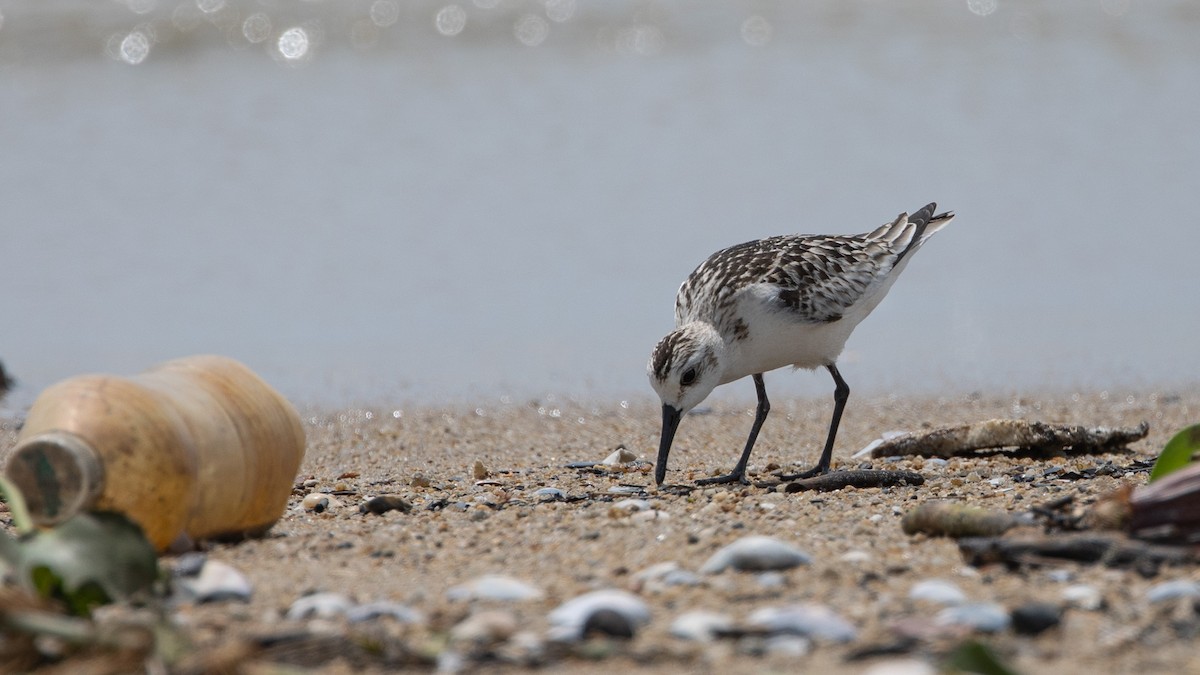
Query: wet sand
[863, 565]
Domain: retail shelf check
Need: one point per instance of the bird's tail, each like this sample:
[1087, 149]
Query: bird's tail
[906, 233]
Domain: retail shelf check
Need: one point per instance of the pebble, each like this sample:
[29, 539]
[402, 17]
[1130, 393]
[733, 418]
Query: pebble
[771, 580]
[632, 505]
[216, 582]
[485, 628]
[755, 553]
[494, 587]
[189, 564]
[1082, 596]
[1172, 590]
[938, 591]
[986, 617]
[817, 621]
[626, 490]
[662, 575]
[619, 456]
[374, 610]
[608, 622]
[319, 502]
[319, 605]
[550, 494]
[700, 625]
[571, 616]
[384, 503]
[1035, 617]
[855, 557]
[787, 645]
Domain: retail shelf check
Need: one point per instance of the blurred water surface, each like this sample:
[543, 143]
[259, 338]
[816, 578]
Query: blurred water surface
[368, 201]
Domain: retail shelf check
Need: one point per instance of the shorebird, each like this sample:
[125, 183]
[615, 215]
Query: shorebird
[790, 300]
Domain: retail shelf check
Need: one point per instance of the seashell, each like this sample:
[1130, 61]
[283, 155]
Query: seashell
[319, 605]
[756, 553]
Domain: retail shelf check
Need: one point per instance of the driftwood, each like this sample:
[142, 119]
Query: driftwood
[949, 519]
[1001, 433]
[1113, 550]
[859, 478]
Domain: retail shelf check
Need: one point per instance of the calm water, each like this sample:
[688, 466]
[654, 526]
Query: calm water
[434, 201]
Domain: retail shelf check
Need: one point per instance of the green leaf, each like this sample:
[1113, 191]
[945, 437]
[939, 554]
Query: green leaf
[1177, 453]
[88, 560]
[976, 657]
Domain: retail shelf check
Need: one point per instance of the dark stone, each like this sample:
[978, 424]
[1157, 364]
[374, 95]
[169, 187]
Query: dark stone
[1035, 617]
[384, 503]
[608, 622]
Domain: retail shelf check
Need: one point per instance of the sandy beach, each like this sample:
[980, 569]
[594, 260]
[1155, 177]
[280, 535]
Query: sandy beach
[464, 525]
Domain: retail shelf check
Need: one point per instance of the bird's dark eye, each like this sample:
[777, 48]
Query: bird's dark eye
[689, 376]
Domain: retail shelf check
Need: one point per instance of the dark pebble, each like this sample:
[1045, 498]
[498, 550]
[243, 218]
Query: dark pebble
[608, 622]
[384, 503]
[1035, 617]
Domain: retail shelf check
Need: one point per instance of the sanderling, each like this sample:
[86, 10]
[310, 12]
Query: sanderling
[790, 300]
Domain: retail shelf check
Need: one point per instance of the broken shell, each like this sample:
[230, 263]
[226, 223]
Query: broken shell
[618, 457]
[756, 553]
[573, 615]
[384, 503]
[320, 605]
[479, 471]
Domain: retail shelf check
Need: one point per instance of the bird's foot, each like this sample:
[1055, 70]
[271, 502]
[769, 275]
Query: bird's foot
[815, 471]
[735, 477]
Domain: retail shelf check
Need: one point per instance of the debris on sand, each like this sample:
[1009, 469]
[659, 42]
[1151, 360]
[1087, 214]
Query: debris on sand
[1038, 437]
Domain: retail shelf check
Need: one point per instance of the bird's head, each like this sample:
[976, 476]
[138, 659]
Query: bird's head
[684, 368]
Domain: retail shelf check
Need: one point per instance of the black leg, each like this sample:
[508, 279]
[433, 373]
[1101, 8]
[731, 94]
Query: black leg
[760, 416]
[841, 393]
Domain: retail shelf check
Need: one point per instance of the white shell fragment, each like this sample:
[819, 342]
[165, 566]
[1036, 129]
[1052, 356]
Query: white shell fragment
[618, 457]
[700, 625]
[756, 553]
[571, 616]
[319, 605]
[816, 621]
[986, 617]
[494, 587]
[217, 581]
[937, 591]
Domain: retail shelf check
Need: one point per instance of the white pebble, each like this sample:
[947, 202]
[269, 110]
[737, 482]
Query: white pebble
[700, 625]
[1082, 596]
[319, 605]
[817, 621]
[570, 616]
[755, 553]
[1172, 590]
[986, 617]
[494, 587]
[937, 591]
[217, 581]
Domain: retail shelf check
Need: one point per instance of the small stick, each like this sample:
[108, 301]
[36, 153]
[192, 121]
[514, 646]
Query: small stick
[950, 519]
[1001, 433]
[859, 478]
[1111, 549]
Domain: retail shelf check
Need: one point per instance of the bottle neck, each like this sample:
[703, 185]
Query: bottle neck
[58, 473]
